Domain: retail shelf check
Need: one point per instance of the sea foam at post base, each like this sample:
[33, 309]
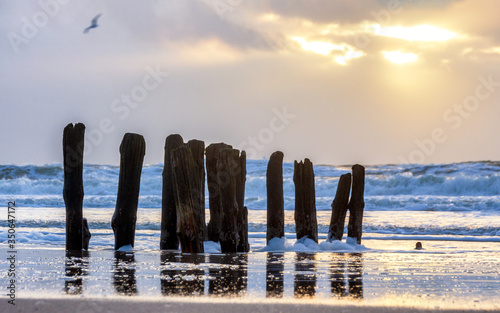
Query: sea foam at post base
[450, 202]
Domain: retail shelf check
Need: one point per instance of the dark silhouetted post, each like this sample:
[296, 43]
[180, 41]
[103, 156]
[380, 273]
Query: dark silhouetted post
[132, 151]
[357, 203]
[86, 234]
[339, 208]
[306, 223]
[240, 173]
[228, 236]
[214, 200]
[169, 238]
[275, 202]
[197, 148]
[73, 140]
[186, 194]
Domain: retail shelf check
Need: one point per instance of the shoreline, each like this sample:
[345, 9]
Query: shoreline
[218, 305]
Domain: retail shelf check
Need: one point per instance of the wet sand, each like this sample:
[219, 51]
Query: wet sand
[126, 305]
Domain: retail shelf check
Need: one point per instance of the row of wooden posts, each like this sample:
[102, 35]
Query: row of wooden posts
[183, 195]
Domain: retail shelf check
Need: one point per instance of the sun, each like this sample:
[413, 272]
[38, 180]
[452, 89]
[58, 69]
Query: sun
[400, 57]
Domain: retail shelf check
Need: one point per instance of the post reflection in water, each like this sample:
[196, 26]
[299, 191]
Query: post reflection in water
[182, 274]
[346, 274]
[337, 275]
[228, 274]
[275, 266]
[76, 266]
[305, 275]
[124, 273]
[355, 275]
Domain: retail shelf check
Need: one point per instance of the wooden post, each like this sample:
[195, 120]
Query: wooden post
[214, 200]
[132, 151]
[197, 148]
[228, 230]
[73, 140]
[186, 194]
[168, 239]
[240, 173]
[86, 234]
[357, 203]
[306, 223]
[339, 208]
[275, 202]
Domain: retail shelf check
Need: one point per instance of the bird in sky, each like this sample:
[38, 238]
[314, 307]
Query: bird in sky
[93, 24]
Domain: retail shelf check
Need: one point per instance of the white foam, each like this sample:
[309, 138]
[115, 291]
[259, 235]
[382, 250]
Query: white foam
[308, 245]
[126, 248]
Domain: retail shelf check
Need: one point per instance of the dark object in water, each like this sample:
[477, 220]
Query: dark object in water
[357, 203]
[275, 201]
[168, 237]
[418, 246]
[86, 234]
[339, 208]
[73, 140]
[306, 223]
[132, 151]
[186, 181]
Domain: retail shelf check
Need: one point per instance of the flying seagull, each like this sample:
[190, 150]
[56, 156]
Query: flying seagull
[93, 24]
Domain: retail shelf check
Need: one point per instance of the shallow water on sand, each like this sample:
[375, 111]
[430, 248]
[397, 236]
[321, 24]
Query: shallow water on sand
[390, 272]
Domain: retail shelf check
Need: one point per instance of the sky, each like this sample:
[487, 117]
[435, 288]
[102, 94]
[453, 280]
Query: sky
[338, 82]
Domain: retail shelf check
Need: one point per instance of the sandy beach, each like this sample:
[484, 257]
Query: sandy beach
[125, 305]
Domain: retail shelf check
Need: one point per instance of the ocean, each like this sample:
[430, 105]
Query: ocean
[453, 209]
[450, 202]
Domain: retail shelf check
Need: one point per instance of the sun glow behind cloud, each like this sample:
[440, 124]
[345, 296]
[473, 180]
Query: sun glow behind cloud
[399, 57]
[415, 33]
[326, 48]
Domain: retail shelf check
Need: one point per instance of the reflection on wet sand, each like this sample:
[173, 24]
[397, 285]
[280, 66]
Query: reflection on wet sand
[305, 275]
[346, 274]
[228, 274]
[182, 274]
[124, 273]
[275, 267]
[337, 275]
[355, 275]
[76, 266]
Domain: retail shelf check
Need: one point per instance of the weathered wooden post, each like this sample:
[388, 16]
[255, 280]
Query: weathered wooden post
[275, 202]
[168, 239]
[86, 234]
[339, 208]
[241, 176]
[214, 200]
[357, 203]
[73, 141]
[186, 181]
[197, 148]
[306, 223]
[228, 236]
[132, 151]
